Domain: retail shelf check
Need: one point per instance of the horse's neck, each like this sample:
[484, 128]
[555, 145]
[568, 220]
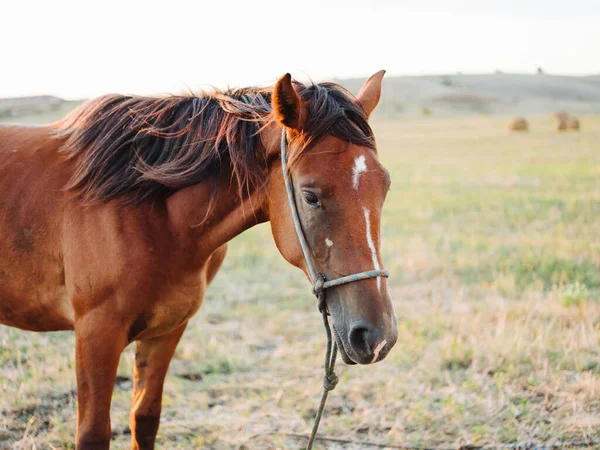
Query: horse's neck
[208, 215]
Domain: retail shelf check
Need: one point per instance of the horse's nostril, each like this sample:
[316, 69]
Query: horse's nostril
[361, 339]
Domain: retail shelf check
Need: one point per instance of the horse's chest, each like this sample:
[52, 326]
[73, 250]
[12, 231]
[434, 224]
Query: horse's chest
[170, 310]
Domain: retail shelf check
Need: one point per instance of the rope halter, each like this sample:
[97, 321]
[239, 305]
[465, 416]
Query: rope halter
[320, 284]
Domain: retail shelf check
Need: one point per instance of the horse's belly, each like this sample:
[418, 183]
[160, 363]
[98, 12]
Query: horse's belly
[43, 308]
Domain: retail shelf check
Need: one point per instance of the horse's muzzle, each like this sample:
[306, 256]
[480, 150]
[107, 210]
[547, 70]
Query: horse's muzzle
[364, 344]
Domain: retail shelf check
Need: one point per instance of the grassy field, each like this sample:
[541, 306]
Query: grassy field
[493, 243]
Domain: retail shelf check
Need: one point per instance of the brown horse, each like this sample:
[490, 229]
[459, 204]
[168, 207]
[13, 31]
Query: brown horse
[114, 221]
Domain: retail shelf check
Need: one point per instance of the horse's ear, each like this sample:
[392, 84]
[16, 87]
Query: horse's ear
[288, 107]
[370, 93]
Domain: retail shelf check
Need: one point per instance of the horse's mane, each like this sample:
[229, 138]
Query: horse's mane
[137, 148]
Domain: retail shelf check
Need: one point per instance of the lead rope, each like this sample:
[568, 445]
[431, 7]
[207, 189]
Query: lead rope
[329, 382]
[319, 285]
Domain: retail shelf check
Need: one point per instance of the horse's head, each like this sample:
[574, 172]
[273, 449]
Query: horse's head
[339, 187]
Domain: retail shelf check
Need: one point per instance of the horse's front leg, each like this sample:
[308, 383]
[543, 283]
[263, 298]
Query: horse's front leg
[152, 358]
[100, 339]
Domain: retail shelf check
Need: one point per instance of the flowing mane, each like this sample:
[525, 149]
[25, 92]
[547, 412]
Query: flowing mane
[137, 148]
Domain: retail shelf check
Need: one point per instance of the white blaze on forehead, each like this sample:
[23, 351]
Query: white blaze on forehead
[377, 350]
[372, 247]
[328, 242]
[359, 167]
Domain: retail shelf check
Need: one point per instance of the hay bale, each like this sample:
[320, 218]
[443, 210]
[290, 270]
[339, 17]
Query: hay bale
[518, 124]
[573, 124]
[562, 125]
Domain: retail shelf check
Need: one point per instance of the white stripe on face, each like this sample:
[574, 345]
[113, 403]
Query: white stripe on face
[372, 246]
[328, 242]
[359, 167]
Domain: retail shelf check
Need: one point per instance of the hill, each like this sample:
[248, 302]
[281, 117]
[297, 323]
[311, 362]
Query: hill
[35, 109]
[438, 95]
[499, 93]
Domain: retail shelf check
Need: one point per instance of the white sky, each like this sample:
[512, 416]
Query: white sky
[79, 49]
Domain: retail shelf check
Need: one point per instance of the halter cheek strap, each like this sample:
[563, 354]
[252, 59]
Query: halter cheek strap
[320, 283]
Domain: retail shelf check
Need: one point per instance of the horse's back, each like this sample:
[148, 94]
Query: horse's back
[32, 288]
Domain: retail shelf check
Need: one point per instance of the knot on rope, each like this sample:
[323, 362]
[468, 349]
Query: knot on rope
[318, 286]
[330, 381]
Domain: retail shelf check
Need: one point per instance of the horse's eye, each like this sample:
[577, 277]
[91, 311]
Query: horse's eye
[312, 199]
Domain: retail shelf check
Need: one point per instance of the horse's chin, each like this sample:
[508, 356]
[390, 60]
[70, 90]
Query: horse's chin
[341, 349]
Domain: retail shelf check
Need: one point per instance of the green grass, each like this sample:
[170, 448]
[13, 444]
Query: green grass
[493, 243]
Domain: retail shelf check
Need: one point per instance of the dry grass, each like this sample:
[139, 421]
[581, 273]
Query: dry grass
[493, 242]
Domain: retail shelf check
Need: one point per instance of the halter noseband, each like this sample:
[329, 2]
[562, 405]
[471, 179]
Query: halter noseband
[320, 283]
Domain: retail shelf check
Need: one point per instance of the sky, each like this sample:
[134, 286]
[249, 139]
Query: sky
[79, 49]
